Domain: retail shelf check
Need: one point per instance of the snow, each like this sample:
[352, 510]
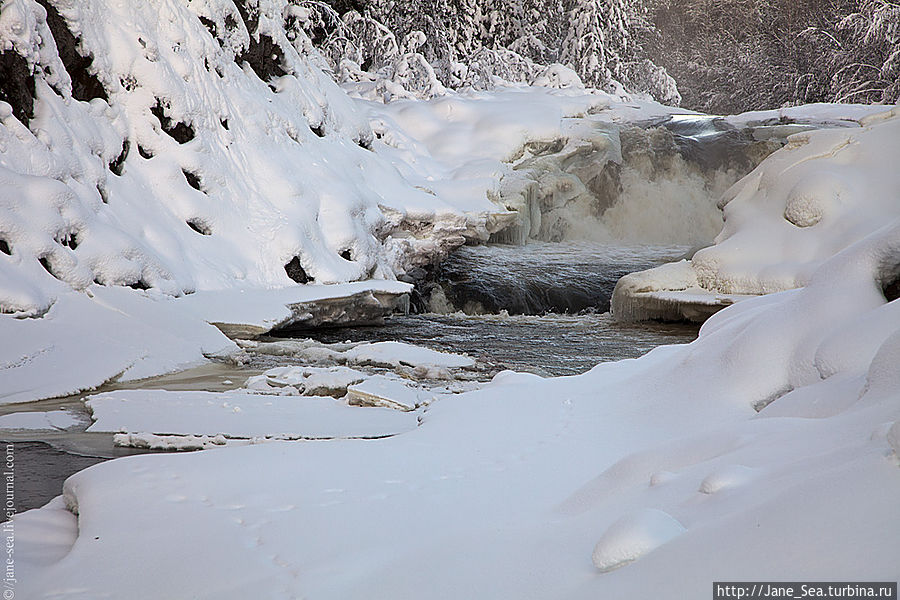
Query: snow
[395, 354]
[54, 419]
[548, 473]
[765, 450]
[239, 415]
[633, 536]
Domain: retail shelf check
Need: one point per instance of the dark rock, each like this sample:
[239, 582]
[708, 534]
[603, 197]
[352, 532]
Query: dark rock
[199, 226]
[263, 54]
[193, 180]
[85, 85]
[891, 289]
[117, 166]
[17, 85]
[296, 272]
[180, 132]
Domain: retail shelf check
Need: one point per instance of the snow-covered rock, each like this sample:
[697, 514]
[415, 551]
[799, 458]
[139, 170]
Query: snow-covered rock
[825, 191]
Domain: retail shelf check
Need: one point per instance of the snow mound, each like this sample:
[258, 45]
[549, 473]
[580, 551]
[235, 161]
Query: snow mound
[633, 536]
[825, 191]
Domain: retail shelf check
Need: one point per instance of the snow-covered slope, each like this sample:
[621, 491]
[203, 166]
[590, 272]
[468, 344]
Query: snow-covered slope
[202, 149]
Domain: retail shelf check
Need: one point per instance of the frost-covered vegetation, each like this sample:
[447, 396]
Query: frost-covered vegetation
[737, 55]
[421, 47]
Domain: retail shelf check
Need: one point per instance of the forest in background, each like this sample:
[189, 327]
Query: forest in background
[725, 56]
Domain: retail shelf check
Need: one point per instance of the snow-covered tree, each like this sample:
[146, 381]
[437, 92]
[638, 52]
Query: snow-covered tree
[597, 39]
[480, 43]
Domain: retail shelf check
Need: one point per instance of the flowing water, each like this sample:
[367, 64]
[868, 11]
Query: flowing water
[541, 307]
[548, 345]
[542, 277]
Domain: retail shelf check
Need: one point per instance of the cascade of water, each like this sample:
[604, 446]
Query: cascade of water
[653, 183]
[540, 277]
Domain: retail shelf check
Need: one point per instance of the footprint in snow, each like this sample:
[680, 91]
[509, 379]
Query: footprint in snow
[661, 477]
[726, 478]
[633, 536]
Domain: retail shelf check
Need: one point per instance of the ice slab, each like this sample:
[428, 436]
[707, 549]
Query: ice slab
[306, 381]
[390, 392]
[241, 415]
[695, 304]
[420, 362]
[54, 419]
[395, 354]
[248, 312]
